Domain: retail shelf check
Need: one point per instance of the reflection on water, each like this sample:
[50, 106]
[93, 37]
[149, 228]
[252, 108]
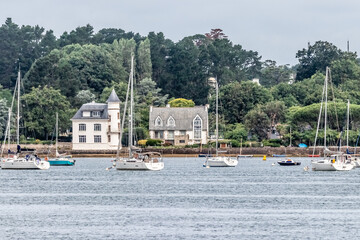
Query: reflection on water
[254, 200]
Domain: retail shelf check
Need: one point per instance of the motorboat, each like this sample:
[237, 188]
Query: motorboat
[288, 162]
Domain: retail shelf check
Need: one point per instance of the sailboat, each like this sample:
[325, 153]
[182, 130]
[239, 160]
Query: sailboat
[13, 160]
[355, 160]
[219, 161]
[135, 160]
[60, 159]
[243, 155]
[337, 161]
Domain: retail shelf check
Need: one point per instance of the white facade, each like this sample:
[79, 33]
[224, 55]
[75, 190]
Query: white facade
[96, 126]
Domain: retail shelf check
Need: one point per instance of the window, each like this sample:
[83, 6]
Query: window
[95, 113]
[82, 138]
[182, 141]
[109, 138]
[171, 122]
[118, 115]
[197, 127]
[97, 127]
[182, 132]
[170, 134]
[82, 127]
[159, 134]
[158, 122]
[97, 138]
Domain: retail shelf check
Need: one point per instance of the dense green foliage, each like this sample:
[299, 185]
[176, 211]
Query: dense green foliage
[61, 74]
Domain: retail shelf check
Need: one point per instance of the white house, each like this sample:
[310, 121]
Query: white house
[179, 125]
[97, 125]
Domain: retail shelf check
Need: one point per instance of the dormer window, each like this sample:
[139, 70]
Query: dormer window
[171, 122]
[158, 122]
[95, 113]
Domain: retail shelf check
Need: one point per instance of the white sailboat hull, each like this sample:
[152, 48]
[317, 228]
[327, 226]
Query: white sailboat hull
[22, 163]
[138, 165]
[328, 165]
[220, 162]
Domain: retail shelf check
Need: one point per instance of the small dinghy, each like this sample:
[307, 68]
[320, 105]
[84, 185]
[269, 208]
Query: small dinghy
[288, 162]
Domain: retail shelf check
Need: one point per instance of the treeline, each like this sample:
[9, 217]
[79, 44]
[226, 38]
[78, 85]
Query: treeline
[82, 66]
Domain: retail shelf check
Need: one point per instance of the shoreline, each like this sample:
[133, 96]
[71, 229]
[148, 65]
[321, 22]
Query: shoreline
[49, 150]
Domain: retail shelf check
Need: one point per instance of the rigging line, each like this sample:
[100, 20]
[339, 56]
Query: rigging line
[319, 119]
[333, 95]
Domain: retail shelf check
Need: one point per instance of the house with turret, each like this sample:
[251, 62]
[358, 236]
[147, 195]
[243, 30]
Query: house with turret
[96, 126]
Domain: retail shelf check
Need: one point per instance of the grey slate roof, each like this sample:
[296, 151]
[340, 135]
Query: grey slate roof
[183, 117]
[88, 107]
[113, 97]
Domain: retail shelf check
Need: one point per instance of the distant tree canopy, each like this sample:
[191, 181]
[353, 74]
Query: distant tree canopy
[181, 102]
[317, 57]
[83, 65]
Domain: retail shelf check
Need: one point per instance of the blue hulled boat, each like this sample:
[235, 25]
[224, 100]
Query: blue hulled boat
[62, 161]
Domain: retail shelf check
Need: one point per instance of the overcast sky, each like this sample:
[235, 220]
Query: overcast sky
[276, 29]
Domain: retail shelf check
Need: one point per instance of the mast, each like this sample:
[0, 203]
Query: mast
[347, 123]
[217, 116]
[326, 96]
[18, 110]
[131, 106]
[56, 132]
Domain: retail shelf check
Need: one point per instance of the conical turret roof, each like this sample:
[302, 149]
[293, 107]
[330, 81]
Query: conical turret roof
[113, 97]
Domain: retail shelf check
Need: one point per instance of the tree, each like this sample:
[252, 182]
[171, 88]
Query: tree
[181, 102]
[237, 99]
[159, 51]
[41, 106]
[3, 116]
[144, 67]
[83, 96]
[345, 69]
[237, 132]
[258, 122]
[148, 94]
[81, 35]
[317, 57]
[275, 110]
[271, 74]
[186, 78]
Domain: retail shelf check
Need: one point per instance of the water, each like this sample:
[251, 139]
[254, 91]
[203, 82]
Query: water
[254, 200]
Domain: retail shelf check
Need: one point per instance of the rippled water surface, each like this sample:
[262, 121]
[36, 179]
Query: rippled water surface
[254, 200]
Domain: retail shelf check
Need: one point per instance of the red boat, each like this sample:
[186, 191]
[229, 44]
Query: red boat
[313, 155]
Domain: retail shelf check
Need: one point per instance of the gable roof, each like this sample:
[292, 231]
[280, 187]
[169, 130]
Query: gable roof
[183, 117]
[113, 97]
[89, 107]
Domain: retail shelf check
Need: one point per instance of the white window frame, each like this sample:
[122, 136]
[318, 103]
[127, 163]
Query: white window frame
[95, 114]
[82, 138]
[171, 122]
[97, 127]
[170, 136]
[97, 138]
[197, 132]
[82, 127]
[158, 122]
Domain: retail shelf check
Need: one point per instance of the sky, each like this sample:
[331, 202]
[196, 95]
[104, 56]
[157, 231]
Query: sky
[276, 29]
